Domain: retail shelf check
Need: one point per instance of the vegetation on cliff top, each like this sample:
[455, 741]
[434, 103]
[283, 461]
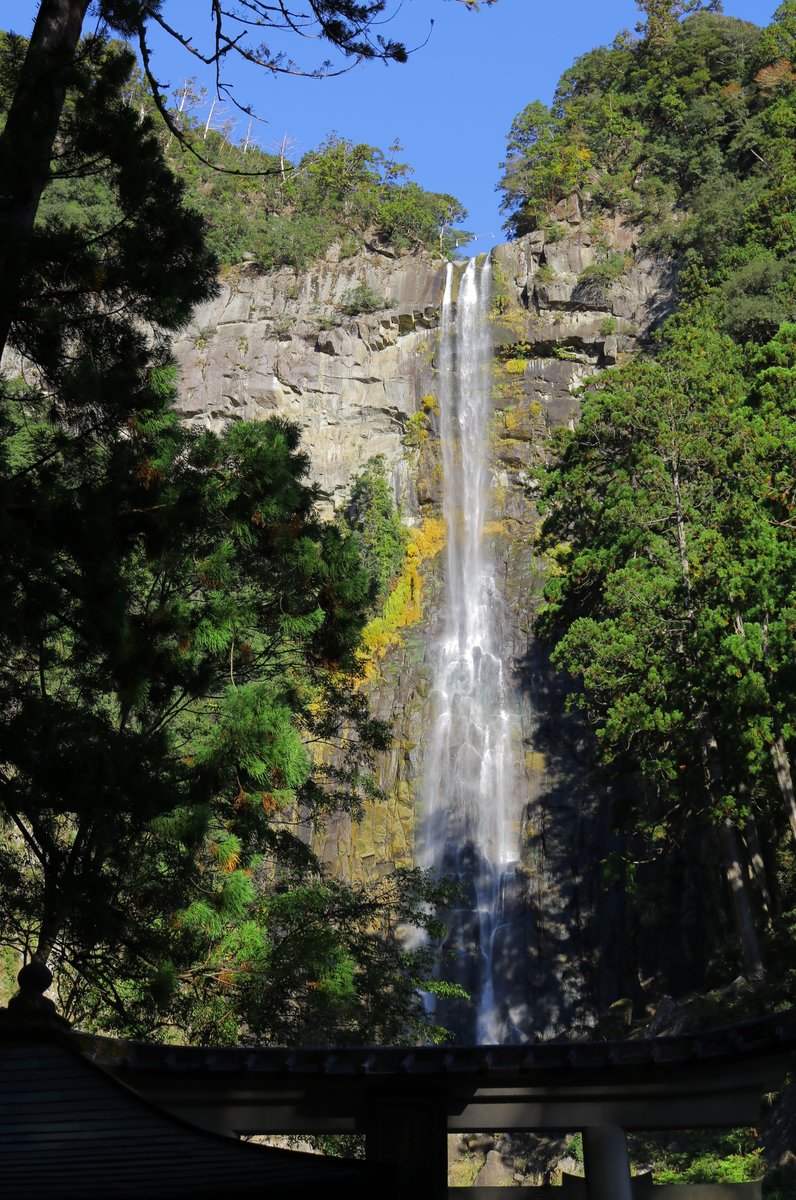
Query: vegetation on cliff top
[690, 133]
[261, 34]
[344, 193]
[280, 212]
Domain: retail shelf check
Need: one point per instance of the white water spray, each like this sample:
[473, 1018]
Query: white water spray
[471, 813]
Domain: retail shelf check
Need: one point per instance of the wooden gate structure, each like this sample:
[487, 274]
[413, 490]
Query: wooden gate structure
[407, 1100]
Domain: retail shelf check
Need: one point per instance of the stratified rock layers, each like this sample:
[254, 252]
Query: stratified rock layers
[281, 344]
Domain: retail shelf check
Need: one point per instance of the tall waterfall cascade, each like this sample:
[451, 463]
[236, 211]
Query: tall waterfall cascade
[472, 810]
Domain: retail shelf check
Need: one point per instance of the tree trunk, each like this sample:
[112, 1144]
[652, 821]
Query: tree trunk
[742, 909]
[50, 928]
[26, 143]
[752, 839]
[731, 854]
[782, 769]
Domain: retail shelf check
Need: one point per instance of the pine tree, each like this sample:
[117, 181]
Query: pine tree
[663, 552]
[178, 630]
[52, 64]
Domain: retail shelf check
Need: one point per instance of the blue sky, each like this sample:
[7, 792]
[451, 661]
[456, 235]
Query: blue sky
[450, 106]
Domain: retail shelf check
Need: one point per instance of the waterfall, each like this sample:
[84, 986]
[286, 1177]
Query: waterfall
[471, 814]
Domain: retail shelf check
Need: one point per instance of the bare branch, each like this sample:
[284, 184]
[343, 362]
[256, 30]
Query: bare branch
[172, 125]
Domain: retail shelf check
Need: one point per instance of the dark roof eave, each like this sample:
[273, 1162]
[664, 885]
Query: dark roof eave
[755, 1041]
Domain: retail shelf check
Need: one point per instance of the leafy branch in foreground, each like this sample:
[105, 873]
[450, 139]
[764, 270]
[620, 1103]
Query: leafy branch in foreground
[54, 59]
[179, 631]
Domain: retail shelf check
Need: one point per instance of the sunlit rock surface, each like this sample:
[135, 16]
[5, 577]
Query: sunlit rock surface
[280, 344]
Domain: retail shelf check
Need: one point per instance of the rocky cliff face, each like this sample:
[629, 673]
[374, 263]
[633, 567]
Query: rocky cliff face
[366, 384]
[557, 323]
[281, 345]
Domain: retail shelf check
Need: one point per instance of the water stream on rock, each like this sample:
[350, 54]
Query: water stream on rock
[472, 815]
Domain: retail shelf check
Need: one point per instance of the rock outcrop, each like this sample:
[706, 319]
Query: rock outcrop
[285, 344]
[365, 384]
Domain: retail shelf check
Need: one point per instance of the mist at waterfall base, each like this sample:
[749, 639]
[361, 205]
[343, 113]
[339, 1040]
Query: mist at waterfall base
[471, 809]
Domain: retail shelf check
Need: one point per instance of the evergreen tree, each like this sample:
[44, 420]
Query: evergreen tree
[52, 64]
[692, 138]
[662, 16]
[178, 631]
[673, 599]
[378, 530]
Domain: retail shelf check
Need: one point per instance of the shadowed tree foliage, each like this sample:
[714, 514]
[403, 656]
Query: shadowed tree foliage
[668, 516]
[176, 648]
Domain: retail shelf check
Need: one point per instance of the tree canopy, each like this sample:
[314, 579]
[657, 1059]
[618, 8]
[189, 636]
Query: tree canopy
[52, 58]
[690, 135]
[668, 518]
[178, 640]
[674, 601]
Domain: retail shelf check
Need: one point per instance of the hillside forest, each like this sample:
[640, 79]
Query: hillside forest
[669, 508]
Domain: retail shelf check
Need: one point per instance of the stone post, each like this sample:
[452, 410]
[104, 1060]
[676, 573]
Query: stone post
[606, 1162]
[30, 1005]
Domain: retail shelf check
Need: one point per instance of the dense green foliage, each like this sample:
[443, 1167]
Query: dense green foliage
[378, 530]
[675, 603]
[279, 212]
[341, 192]
[699, 1156]
[344, 193]
[669, 509]
[676, 469]
[689, 130]
[177, 640]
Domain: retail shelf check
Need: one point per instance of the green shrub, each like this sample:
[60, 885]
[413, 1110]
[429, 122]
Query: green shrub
[376, 522]
[293, 240]
[282, 326]
[715, 1168]
[759, 296]
[417, 429]
[699, 1156]
[605, 270]
[553, 231]
[360, 299]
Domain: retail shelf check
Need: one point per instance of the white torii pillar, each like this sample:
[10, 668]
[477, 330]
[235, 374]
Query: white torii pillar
[606, 1163]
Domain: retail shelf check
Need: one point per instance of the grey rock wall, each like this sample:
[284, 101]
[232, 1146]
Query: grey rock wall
[279, 344]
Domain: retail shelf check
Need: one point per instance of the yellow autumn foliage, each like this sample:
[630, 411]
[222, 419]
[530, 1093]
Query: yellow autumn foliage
[404, 603]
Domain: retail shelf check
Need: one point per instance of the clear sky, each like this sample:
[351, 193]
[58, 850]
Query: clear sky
[450, 106]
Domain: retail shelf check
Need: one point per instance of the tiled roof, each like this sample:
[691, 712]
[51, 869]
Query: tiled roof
[68, 1130]
[762, 1037]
